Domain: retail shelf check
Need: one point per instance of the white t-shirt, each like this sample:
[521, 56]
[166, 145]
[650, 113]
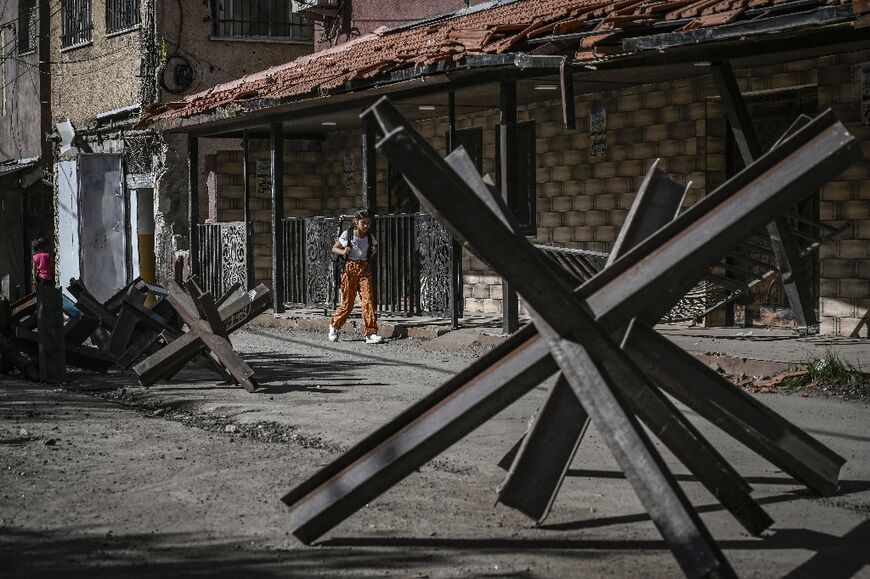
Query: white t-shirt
[360, 246]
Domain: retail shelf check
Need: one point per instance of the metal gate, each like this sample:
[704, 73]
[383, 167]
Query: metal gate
[222, 259]
[411, 272]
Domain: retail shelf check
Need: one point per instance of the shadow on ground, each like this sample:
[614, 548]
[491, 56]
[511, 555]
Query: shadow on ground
[76, 553]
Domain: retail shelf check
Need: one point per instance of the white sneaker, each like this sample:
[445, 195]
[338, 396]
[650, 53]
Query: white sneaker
[374, 339]
[333, 334]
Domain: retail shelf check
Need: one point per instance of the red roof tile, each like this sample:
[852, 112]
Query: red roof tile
[494, 30]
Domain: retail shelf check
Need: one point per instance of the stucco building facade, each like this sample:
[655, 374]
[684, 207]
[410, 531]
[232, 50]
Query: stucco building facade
[112, 60]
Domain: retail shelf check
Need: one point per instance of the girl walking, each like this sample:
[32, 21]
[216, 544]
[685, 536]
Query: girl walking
[357, 245]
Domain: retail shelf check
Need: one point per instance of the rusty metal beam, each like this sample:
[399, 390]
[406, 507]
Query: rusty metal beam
[178, 352]
[547, 450]
[611, 403]
[235, 365]
[734, 411]
[430, 426]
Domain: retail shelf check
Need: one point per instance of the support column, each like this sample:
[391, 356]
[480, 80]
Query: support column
[508, 173]
[566, 84]
[456, 277]
[193, 201]
[246, 200]
[277, 218]
[369, 169]
[370, 187]
[793, 274]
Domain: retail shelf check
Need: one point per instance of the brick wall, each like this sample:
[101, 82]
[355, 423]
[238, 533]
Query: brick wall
[845, 262]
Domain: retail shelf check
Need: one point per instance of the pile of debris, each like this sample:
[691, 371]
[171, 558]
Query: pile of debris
[140, 327]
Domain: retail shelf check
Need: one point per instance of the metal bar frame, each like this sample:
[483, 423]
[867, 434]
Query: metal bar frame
[277, 218]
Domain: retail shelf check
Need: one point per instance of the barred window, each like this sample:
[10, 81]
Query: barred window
[75, 23]
[266, 19]
[121, 15]
[26, 26]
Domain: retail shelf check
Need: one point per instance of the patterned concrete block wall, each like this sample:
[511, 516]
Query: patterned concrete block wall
[302, 192]
[845, 263]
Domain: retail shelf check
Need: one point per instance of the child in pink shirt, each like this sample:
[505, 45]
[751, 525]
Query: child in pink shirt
[43, 263]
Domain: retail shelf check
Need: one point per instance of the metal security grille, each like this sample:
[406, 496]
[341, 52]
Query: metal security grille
[26, 26]
[411, 272]
[121, 15]
[76, 23]
[271, 19]
[222, 258]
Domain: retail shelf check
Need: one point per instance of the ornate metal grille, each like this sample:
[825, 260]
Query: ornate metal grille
[435, 251]
[222, 256]
[76, 24]
[311, 278]
[411, 272]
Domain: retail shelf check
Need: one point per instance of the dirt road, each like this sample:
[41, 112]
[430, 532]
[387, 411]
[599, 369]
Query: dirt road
[104, 478]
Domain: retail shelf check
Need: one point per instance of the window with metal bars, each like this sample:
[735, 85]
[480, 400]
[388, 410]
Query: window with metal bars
[261, 19]
[121, 15]
[26, 26]
[76, 23]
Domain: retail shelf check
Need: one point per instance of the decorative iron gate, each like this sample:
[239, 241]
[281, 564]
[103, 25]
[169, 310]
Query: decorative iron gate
[411, 272]
[222, 260]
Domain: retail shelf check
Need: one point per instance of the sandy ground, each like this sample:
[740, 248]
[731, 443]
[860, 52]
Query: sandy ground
[103, 478]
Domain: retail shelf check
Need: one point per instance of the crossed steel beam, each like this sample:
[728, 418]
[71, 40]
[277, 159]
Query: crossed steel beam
[614, 382]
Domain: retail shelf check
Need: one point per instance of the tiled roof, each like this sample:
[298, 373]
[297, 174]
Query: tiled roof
[505, 27]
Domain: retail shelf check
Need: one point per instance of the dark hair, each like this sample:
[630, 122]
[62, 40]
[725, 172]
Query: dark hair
[360, 214]
[40, 244]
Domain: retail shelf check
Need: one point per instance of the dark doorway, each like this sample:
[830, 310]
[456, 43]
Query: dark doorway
[524, 205]
[400, 197]
[771, 115]
[471, 139]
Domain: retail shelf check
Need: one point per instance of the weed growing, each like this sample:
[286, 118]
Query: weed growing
[830, 375]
